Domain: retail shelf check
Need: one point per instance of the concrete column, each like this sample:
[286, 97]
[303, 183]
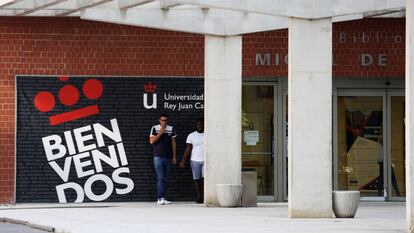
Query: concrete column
[409, 113]
[310, 118]
[222, 111]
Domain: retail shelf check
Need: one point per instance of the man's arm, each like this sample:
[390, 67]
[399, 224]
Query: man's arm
[174, 149]
[154, 138]
[187, 153]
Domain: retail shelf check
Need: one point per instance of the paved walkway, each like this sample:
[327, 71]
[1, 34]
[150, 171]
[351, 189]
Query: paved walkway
[192, 218]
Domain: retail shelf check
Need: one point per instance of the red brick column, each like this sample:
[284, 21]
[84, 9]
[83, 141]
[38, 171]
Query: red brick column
[7, 122]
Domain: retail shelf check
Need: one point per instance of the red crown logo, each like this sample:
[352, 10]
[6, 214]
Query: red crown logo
[150, 87]
[44, 101]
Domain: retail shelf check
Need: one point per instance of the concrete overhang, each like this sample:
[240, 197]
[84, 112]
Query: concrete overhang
[213, 17]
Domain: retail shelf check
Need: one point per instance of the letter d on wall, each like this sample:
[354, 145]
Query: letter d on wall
[60, 189]
[366, 59]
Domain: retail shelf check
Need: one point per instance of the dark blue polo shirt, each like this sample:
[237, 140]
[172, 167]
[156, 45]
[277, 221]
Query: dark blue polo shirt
[163, 148]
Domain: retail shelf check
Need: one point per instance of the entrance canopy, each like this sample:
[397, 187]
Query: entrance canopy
[213, 17]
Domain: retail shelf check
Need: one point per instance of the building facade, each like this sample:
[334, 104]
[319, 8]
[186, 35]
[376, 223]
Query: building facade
[39, 54]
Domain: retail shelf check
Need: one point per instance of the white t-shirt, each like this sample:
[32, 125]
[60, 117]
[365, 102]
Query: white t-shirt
[196, 139]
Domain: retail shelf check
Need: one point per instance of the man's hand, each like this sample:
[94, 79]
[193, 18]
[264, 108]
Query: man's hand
[154, 138]
[162, 130]
[182, 164]
[174, 161]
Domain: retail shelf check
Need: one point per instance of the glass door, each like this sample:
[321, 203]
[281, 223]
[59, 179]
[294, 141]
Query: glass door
[396, 148]
[258, 116]
[360, 128]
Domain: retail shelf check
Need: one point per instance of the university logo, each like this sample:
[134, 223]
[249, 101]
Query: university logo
[150, 88]
[69, 95]
[66, 150]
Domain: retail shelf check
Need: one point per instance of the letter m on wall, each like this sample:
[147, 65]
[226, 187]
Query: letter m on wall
[263, 59]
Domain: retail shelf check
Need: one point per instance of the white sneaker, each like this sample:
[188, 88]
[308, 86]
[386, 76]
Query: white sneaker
[166, 202]
[161, 201]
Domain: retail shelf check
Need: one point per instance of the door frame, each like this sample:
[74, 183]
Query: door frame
[284, 152]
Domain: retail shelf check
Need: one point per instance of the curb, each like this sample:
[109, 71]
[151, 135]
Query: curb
[41, 227]
[31, 225]
[15, 221]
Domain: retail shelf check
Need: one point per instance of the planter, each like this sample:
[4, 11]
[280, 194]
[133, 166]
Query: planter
[345, 203]
[229, 195]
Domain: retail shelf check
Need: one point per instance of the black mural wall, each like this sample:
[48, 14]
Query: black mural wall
[122, 98]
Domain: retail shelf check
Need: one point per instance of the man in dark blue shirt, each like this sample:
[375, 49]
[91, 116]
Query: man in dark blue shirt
[162, 137]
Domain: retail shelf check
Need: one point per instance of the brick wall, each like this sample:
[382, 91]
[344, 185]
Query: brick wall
[347, 53]
[70, 46]
[390, 40]
[66, 46]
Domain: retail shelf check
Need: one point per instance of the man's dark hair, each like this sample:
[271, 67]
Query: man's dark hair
[200, 119]
[163, 115]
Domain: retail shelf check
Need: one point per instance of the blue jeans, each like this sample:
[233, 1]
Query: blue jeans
[162, 168]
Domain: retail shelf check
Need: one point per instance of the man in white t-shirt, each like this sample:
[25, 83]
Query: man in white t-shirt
[195, 147]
